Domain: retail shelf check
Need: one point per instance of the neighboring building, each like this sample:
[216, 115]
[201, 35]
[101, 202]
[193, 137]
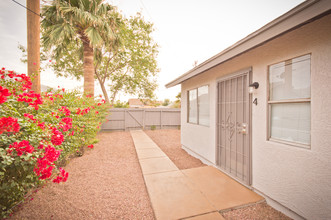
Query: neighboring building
[136, 103]
[276, 139]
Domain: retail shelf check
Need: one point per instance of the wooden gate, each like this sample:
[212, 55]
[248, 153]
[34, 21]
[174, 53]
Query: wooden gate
[233, 141]
[142, 118]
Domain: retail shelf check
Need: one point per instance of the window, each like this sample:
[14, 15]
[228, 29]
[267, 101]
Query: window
[193, 104]
[198, 106]
[289, 101]
[203, 105]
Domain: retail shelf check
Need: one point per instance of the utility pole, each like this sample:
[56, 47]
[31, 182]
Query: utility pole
[33, 27]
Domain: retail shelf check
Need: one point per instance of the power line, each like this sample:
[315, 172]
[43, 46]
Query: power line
[27, 8]
[146, 9]
[40, 15]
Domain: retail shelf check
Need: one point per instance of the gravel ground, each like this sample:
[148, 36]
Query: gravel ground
[105, 183]
[260, 211]
[169, 142]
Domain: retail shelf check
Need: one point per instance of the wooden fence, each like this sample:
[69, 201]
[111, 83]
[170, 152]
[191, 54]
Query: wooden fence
[142, 118]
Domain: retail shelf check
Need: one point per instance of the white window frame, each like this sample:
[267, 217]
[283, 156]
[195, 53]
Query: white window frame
[284, 101]
[197, 106]
[189, 105]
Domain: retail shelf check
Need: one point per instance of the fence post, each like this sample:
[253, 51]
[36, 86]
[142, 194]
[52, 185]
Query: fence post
[161, 118]
[144, 117]
[124, 119]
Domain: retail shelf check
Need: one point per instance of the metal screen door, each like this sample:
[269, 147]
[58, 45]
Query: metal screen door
[233, 142]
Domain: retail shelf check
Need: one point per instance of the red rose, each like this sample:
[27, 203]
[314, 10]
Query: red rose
[9, 124]
[21, 147]
[3, 93]
[57, 137]
[62, 177]
[90, 146]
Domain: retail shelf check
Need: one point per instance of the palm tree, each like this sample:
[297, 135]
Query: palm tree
[89, 23]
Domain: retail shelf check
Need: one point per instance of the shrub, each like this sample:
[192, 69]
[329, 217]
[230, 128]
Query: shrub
[119, 104]
[38, 132]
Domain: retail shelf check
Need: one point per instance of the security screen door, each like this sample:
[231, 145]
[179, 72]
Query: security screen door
[233, 128]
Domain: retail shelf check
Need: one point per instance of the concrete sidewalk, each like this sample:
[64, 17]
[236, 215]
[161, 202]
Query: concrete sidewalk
[198, 193]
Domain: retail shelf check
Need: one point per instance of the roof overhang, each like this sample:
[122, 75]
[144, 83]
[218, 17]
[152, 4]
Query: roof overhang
[302, 14]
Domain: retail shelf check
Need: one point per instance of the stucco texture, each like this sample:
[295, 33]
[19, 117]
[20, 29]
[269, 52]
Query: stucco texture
[297, 178]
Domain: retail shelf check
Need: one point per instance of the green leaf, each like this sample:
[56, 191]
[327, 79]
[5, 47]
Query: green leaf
[94, 36]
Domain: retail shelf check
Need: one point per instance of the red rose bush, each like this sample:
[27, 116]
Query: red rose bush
[38, 133]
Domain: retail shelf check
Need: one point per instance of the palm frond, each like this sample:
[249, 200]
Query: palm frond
[66, 20]
[94, 36]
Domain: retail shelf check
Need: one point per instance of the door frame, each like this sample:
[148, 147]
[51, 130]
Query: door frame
[240, 72]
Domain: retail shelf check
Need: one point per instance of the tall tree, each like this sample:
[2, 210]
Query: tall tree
[177, 103]
[79, 23]
[33, 39]
[129, 67]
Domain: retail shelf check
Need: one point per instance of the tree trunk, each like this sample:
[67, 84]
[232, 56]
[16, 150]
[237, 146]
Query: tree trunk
[104, 91]
[113, 97]
[33, 40]
[88, 68]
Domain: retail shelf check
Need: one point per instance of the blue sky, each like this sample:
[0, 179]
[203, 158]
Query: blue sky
[186, 31]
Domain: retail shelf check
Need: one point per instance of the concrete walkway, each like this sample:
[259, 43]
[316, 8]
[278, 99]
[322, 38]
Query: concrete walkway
[198, 193]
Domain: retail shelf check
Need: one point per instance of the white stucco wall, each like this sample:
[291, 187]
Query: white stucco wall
[198, 138]
[297, 178]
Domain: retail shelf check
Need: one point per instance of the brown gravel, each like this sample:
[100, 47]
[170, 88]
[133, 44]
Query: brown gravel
[106, 183]
[169, 142]
[260, 211]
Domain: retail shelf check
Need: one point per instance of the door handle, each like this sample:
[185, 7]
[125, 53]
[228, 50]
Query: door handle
[244, 128]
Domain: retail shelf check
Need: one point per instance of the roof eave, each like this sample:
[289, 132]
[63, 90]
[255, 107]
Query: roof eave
[294, 18]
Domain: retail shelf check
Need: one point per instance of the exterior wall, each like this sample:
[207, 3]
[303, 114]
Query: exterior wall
[199, 139]
[297, 178]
